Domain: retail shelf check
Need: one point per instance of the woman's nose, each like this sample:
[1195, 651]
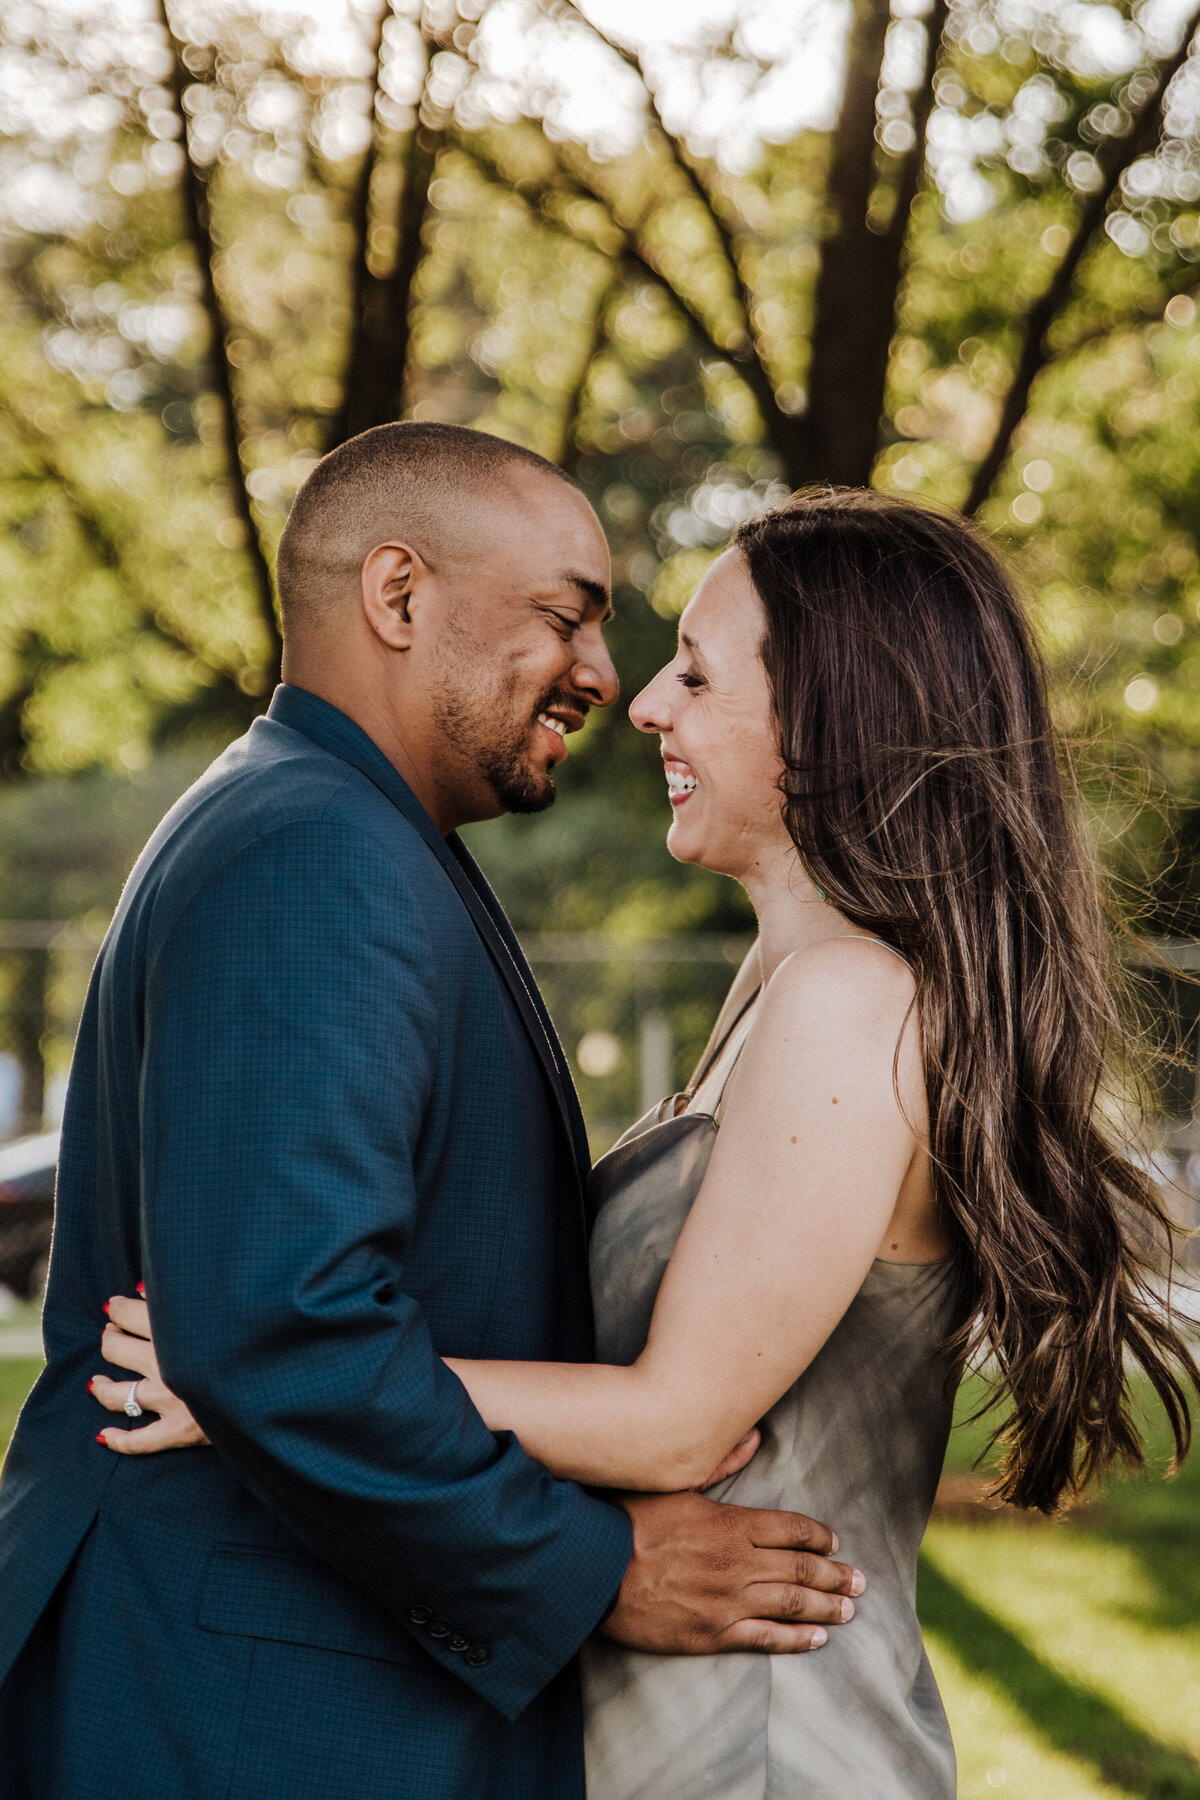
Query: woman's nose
[651, 711]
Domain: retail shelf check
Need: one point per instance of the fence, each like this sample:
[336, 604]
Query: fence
[633, 1018]
[44, 970]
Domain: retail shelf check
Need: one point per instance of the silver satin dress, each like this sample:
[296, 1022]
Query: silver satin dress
[858, 1442]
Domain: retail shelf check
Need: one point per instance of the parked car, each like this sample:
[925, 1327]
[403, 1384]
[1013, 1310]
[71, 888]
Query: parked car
[27, 1168]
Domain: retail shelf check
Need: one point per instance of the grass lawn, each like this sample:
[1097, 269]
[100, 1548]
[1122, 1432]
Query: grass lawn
[17, 1376]
[1068, 1654]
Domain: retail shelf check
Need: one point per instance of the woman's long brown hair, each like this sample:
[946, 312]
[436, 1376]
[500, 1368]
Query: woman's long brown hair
[925, 795]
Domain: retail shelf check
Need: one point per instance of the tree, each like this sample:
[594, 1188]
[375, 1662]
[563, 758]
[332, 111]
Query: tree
[973, 280]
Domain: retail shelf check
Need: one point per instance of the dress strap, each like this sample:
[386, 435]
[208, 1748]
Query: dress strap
[712, 1061]
[710, 1064]
[867, 937]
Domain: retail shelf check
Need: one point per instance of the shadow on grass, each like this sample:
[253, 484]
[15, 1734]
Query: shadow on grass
[1070, 1718]
[1148, 1517]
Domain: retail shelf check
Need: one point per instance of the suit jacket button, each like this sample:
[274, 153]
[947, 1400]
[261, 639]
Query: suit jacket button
[458, 1643]
[478, 1656]
[440, 1628]
[420, 1615]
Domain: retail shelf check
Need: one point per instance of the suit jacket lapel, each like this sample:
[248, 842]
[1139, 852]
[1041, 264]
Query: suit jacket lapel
[528, 990]
[334, 732]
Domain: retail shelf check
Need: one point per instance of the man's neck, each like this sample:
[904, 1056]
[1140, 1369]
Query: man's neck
[404, 745]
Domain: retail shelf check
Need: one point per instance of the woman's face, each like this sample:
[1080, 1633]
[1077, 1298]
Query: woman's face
[711, 706]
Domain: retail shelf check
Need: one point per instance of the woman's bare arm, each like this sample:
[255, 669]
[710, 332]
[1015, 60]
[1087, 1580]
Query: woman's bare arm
[811, 1155]
[810, 1158]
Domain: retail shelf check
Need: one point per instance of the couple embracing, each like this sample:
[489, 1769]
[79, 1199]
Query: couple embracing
[414, 1501]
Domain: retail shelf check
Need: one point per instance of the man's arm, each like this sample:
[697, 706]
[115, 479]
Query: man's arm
[290, 1045]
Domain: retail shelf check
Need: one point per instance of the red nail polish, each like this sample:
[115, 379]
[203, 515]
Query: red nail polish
[91, 1384]
[106, 1306]
[100, 1439]
[142, 1289]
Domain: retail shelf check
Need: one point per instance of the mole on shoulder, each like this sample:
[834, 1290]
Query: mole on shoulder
[833, 1102]
[793, 1140]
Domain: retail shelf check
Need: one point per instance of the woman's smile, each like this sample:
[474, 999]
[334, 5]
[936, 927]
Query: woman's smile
[681, 779]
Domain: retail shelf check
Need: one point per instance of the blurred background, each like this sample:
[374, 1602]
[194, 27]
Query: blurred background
[698, 252]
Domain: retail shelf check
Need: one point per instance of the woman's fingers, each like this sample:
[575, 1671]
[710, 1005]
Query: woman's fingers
[125, 1352]
[174, 1429]
[151, 1395]
[131, 1315]
[161, 1435]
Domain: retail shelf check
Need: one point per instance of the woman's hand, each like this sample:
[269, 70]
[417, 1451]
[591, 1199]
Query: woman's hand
[127, 1344]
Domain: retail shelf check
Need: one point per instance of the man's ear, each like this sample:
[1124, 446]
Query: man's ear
[393, 579]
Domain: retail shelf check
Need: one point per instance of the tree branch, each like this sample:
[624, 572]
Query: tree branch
[540, 198]
[392, 361]
[194, 191]
[363, 281]
[854, 304]
[378, 395]
[687, 168]
[913, 165]
[570, 448]
[780, 430]
[1184, 281]
[1036, 351]
[104, 543]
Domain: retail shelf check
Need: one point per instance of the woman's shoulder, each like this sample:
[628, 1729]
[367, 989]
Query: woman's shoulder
[849, 1003]
[858, 970]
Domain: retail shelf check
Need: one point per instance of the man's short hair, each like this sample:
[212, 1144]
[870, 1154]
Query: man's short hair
[419, 482]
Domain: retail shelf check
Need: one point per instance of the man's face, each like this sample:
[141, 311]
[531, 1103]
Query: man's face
[522, 656]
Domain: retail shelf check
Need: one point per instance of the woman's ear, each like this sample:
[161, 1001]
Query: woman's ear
[393, 576]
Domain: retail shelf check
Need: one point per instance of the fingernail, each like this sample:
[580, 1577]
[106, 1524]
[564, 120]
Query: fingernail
[835, 1543]
[847, 1611]
[819, 1637]
[100, 1439]
[142, 1289]
[858, 1582]
[106, 1305]
[91, 1384]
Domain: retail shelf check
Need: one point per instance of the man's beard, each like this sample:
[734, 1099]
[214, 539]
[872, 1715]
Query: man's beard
[499, 753]
[508, 769]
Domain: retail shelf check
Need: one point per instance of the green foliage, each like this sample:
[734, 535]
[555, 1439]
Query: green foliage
[642, 311]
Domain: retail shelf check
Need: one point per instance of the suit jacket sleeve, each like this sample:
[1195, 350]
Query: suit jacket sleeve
[290, 1043]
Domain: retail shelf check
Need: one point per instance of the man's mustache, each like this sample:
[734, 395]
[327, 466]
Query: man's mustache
[566, 701]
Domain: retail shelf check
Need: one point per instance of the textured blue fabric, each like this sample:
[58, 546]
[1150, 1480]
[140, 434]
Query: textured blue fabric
[318, 1106]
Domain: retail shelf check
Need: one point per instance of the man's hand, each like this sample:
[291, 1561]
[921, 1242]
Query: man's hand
[706, 1577]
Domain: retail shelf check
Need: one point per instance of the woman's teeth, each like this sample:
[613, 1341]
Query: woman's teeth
[680, 784]
[553, 724]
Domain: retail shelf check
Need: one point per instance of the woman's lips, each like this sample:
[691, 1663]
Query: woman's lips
[681, 781]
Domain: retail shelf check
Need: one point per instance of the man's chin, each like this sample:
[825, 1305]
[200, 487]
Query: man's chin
[529, 793]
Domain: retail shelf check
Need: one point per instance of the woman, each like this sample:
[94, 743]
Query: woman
[894, 1157]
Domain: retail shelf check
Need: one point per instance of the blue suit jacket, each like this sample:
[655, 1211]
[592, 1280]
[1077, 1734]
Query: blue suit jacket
[318, 1106]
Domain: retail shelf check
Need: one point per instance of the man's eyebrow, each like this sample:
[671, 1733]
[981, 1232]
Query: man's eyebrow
[594, 592]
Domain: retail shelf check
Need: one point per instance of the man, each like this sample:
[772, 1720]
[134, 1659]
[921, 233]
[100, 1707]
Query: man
[318, 1107]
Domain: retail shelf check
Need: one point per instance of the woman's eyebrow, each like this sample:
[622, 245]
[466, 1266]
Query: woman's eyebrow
[692, 645]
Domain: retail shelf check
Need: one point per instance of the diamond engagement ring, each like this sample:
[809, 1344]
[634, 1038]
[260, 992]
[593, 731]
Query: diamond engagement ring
[131, 1402]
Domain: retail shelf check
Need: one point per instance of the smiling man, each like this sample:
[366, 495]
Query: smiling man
[319, 1109]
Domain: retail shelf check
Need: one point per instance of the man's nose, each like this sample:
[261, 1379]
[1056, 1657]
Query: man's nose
[594, 674]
